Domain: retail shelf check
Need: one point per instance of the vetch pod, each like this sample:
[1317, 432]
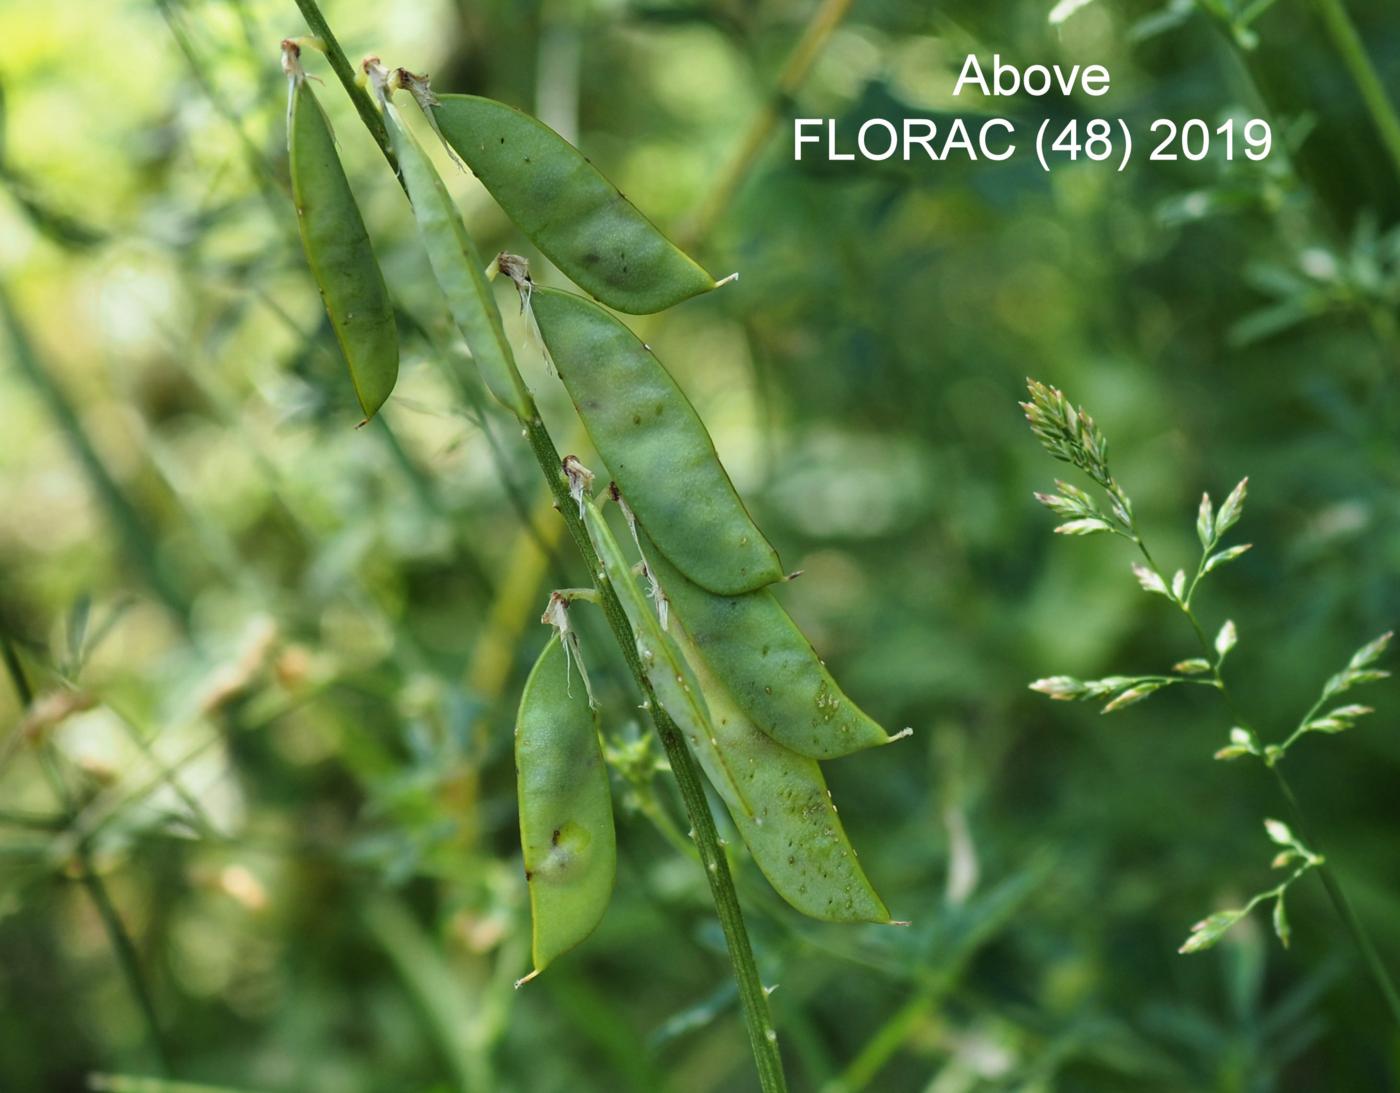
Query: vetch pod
[666, 669]
[778, 799]
[566, 820]
[337, 245]
[455, 261]
[571, 212]
[769, 667]
[795, 836]
[655, 446]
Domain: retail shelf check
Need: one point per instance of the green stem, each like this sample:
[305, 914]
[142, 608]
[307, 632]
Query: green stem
[1346, 40]
[1341, 904]
[754, 1000]
[823, 23]
[121, 942]
[763, 1037]
[127, 956]
[135, 537]
[340, 65]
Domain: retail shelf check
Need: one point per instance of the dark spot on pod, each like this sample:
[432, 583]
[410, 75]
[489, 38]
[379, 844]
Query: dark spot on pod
[529, 876]
[636, 419]
[554, 839]
[590, 258]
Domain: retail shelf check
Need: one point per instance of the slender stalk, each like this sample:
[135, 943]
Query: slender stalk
[125, 949]
[259, 166]
[1341, 904]
[763, 1036]
[134, 534]
[117, 935]
[16, 672]
[824, 20]
[345, 72]
[1346, 40]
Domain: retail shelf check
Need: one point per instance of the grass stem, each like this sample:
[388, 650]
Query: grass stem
[1346, 40]
[125, 949]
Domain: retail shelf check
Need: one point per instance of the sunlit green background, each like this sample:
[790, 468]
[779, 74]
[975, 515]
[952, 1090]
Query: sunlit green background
[289, 649]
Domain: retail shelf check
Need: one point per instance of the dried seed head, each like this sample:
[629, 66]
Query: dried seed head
[378, 77]
[291, 59]
[417, 86]
[556, 614]
[52, 709]
[654, 590]
[580, 480]
[422, 92]
[658, 597]
[296, 75]
[518, 270]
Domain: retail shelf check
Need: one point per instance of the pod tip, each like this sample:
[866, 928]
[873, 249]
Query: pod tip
[732, 277]
[906, 731]
[892, 922]
[526, 978]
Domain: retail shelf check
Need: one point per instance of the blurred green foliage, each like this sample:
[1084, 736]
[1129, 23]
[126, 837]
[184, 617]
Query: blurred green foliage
[285, 652]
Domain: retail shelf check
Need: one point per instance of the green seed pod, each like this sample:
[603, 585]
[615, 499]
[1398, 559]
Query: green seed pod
[767, 664]
[795, 836]
[665, 668]
[567, 208]
[655, 446]
[458, 268]
[566, 821]
[777, 798]
[337, 246]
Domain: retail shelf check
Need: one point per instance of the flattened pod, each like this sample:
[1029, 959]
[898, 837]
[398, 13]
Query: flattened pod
[773, 673]
[655, 446]
[567, 208]
[566, 820]
[338, 251]
[458, 269]
[795, 836]
[666, 669]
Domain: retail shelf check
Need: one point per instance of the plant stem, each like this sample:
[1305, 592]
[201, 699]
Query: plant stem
[763, 1036]
[1341, 904]
[1346, 40]
[345, 72]
[117, 934]
[135, 536]
[125, 948]
[824, 21]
